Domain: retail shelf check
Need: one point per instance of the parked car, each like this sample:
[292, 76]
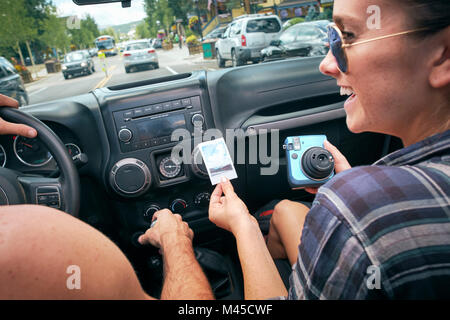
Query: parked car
[245, 37]
[140, 54]
[157, 43]
[11, 84]
[93, 52]
[301, 40]
[76, 63]
[215, 34]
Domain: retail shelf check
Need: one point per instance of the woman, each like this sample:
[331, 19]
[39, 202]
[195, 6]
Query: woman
[381, 231]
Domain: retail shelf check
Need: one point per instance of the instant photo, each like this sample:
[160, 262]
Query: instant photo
[217, 160]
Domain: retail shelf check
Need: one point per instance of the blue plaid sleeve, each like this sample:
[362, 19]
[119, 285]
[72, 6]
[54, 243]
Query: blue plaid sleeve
[332, 263]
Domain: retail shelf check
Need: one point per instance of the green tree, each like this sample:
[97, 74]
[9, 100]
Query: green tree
[142, 31]
[54, 33]
[13, 15]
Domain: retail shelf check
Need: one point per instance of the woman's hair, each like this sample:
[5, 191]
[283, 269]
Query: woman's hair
[433, 15]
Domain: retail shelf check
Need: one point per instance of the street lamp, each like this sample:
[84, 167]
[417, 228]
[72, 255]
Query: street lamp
[199, 20]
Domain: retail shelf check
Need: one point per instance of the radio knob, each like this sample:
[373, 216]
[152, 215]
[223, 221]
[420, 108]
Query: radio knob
[197, 120]
[125, 135]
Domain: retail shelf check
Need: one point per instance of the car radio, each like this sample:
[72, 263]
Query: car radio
[152, 125]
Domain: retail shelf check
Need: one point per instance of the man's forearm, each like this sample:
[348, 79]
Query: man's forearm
[183, 276]
[261, 277]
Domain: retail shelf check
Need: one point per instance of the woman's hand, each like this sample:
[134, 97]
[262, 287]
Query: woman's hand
[228, 212]
[340, 162]
[14, 128]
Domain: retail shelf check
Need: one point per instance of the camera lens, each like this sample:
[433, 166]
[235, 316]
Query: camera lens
[317, 163]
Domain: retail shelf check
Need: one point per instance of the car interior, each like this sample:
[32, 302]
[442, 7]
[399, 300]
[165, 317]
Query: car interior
[117, 176]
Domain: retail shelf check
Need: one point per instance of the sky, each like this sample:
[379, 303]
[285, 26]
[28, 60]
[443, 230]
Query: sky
[104, 14]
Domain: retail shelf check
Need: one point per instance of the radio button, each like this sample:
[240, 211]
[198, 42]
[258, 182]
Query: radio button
[128, 114]
[186, 101]
[197, 120]
[138, 112]
[125, 135]
[176, 104]
[158, 108]
[148, 110]
[167, 106]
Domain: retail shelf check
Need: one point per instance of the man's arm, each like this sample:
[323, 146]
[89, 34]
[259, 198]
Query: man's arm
[183, 276]
[261, 277]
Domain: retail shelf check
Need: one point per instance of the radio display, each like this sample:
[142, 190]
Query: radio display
[160, 127]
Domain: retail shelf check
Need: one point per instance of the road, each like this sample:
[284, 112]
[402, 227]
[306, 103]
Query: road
[54, 86]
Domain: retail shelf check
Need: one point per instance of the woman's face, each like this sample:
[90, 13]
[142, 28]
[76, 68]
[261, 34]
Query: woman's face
[388, 77]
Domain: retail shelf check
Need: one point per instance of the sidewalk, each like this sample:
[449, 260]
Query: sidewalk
[37, 73]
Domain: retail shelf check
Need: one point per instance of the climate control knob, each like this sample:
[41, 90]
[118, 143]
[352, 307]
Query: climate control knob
[130, 177]
[178, 206]
[125, 135]
[150, 211]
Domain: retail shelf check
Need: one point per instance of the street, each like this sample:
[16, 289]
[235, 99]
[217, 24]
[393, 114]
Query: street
[53, 86]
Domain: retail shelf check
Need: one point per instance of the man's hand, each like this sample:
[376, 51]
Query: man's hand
[340, 162]
[14, 128]
[168, 226]
[228, 212]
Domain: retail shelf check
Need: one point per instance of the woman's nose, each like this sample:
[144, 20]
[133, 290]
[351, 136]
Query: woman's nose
[329, 65]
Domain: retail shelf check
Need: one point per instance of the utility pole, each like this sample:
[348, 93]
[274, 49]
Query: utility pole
[247, 6]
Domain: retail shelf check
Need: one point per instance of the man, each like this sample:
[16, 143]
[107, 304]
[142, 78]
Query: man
[47, 254]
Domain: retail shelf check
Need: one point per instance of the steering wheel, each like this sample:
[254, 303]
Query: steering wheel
[17, 188]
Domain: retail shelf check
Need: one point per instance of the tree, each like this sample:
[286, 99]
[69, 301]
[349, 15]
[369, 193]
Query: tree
[14, 14]
[54, 33]
[142, 31]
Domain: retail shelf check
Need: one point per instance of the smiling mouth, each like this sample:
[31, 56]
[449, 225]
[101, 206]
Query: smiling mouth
[347, 91]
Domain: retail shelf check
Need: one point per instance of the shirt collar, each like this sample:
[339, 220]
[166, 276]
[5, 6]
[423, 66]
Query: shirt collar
[438, 144]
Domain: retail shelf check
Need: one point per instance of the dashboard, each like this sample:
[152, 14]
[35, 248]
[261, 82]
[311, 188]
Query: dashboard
[124, 138]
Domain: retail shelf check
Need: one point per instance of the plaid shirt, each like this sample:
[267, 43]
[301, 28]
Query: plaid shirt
[389, 222]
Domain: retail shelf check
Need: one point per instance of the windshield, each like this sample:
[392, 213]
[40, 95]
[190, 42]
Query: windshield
[72, 57]
[264, 25]
[105, 44]
[138, 46]
[52, 33]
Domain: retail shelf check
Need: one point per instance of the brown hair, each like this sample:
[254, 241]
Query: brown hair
[432, 15]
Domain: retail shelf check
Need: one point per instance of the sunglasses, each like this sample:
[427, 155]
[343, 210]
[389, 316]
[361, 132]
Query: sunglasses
[337, 44]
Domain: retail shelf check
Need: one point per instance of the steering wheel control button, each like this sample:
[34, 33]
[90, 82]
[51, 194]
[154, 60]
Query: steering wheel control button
[130, 177]
[48, 196]
[125, 135]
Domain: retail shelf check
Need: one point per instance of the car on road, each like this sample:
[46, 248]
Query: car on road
[77, 63]
[244, 38]
[157, 43]
[216, 33]
[300, 40]
[139, 54]
[11, 83]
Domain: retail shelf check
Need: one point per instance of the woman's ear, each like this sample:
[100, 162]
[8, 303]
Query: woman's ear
[440, 70]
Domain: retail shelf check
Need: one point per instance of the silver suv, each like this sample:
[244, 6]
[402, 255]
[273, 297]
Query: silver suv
[245, 37]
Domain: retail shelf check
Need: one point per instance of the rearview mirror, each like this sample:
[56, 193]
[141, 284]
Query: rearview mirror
[275, 43]
[125, 3]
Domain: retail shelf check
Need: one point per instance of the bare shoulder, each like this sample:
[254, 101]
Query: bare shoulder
[41, 247]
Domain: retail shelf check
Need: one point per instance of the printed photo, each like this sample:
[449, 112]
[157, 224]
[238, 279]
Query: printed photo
[217, 160]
